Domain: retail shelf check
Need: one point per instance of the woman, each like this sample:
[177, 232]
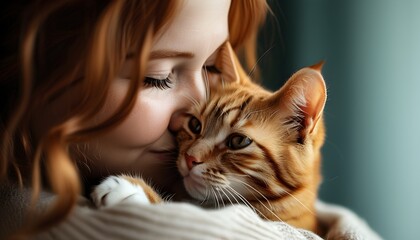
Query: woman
[95, 88]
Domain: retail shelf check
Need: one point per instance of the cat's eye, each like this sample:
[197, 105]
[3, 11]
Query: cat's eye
[194, 125]
[238, 141]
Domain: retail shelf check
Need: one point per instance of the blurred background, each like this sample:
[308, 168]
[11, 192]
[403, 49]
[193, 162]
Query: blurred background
[371, 160]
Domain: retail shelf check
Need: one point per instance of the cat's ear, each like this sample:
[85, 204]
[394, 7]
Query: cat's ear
[304, 96]
[229, 67]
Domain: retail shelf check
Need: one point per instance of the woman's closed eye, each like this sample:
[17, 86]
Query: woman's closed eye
[161, 84]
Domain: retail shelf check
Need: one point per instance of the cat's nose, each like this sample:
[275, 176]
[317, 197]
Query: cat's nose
[191, 161]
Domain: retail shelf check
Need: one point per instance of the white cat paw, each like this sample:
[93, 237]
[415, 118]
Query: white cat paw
[114, 190]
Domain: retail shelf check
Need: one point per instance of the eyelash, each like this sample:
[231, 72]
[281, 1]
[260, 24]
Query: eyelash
[161, 84]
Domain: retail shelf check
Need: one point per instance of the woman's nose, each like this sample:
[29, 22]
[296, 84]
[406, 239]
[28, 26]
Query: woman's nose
[197, 89]
[192, 92]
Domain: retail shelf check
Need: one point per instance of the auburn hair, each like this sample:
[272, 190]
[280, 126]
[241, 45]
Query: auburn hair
[55, 45]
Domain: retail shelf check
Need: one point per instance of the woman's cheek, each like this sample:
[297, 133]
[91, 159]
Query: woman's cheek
[145, 124]
[147, 121]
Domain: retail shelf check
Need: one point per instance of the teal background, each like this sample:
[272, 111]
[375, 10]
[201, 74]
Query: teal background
[371, 158]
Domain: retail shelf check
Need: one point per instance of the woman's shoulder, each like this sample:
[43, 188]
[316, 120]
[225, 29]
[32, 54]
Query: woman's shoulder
[129, 221]
[162, 221]
[170, 221]
[341, 223]
[14, 202]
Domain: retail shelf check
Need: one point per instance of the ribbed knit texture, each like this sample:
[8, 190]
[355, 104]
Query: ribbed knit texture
[170, 221]
[175, 221]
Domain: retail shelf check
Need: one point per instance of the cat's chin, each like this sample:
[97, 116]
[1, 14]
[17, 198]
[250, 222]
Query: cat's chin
[195, 188]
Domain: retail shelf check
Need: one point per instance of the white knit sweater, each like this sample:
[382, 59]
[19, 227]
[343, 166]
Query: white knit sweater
[175, 221]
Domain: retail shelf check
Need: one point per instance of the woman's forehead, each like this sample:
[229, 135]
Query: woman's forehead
[199, 27]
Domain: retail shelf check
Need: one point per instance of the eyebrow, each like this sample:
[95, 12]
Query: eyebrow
[165, 54]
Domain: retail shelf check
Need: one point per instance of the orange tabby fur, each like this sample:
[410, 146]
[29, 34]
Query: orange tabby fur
[280, 169]
[149, 191]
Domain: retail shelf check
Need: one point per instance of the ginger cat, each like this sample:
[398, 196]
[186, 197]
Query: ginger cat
[248, 145]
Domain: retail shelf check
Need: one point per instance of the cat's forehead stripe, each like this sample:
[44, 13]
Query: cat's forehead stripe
[239, 117]
[209, 107]
[270, 159]
[233, 105]
[247, 101]
[241, 107]
[220, 107]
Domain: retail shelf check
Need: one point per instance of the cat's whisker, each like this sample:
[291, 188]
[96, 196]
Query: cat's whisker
[242, 198]
[234, 193]
[270, 206]
[258, 61]
[192, 100]
[303, 205]
[248, 204]
[218, 193]
[221, 197]
[231, 194]
[258, 199]
[263, 204]
[209, 194]
[224, 193]
[254, 189]
[269, 209]
[168, 198]
[215, 197]
[80, 150]
[290, 194]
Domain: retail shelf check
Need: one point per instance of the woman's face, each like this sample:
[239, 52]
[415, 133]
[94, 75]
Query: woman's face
[174, 77]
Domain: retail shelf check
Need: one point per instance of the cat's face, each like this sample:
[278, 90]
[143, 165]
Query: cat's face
[246, 142]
